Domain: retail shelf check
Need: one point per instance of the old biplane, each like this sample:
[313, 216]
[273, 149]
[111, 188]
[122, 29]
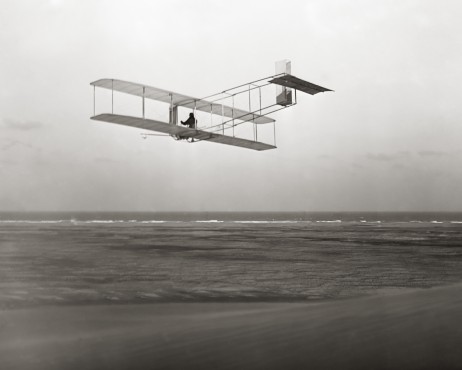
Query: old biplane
[229, 115]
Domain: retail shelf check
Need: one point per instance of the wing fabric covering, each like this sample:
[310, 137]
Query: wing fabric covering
[175, 99]
[158, 126]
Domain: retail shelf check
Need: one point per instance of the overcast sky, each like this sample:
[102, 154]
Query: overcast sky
[388, 138]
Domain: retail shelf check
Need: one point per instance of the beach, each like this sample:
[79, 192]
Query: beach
[259, 293]
[415, 330]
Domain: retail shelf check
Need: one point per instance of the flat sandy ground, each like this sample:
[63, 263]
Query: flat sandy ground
[412, 330]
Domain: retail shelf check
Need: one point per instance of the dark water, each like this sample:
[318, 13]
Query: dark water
[73, 258]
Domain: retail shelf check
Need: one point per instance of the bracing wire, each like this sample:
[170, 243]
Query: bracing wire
[240, 123]
[248, 83]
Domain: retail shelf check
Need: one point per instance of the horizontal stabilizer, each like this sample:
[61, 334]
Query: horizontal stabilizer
[298, 84]
[184, 132]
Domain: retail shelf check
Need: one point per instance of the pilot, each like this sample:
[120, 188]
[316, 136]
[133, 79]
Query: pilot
[191, 121]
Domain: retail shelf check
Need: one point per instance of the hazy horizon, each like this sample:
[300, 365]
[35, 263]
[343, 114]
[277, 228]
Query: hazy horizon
[221, 211]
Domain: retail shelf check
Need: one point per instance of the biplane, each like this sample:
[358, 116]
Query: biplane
[225, 114]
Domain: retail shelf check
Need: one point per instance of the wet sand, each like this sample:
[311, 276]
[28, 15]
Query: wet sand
[419, 329]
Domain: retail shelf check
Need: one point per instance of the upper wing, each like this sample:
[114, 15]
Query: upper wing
[298, 84]
[166, 128]
[170, 97]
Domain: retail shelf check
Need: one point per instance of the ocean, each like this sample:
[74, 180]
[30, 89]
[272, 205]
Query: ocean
[91, 258]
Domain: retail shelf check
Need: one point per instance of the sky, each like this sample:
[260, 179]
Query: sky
[387, 139]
